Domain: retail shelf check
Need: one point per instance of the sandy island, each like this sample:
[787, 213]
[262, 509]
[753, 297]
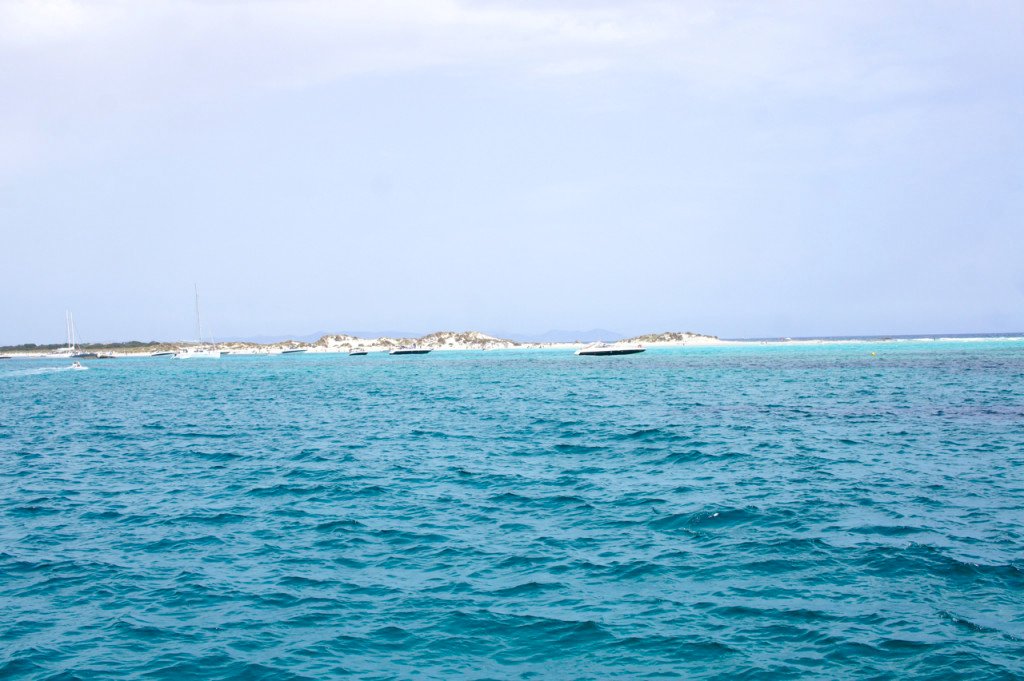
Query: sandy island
[452, 340]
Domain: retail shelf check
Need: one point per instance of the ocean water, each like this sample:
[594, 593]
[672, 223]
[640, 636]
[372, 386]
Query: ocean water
[761, 512]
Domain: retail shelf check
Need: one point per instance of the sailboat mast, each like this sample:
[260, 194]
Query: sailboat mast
[67, 327]
[199, 325]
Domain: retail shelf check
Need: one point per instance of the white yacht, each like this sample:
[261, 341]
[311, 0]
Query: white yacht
[198, 352]
[357, 351]
[202, 350]
[604, 349]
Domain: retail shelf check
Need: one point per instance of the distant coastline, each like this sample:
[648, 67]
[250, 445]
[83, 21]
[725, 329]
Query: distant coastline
[476, 340]
[340, 343]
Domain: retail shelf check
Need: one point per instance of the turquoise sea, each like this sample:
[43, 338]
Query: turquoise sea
[754, 512]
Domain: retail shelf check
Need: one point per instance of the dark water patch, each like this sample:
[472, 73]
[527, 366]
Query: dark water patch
[440, 435]
[577, 449]
[34, 510]
[675, 648]
[978, 628]
[346, 524]
[22, 664]
[304, 582]
[214, 519]
[286, 490]
[915, 558]
[217, 456]
[183, 544]
[638, 500]
[706, 519]
[195, 435]
[887, 530]
[775, 614]
[393, 637]
[367, 491]
[13, 630]
[410, 538]
[633, 570]
[527, 589]
[189, 666]
[691, 456]
[523, 562]
[101, 515]
[138, 632]
[525, 635]
[655, 436]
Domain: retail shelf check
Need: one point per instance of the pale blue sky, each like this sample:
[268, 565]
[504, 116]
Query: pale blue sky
[741, 169]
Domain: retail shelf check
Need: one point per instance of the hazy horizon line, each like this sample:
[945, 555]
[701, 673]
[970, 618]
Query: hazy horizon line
[586, 336]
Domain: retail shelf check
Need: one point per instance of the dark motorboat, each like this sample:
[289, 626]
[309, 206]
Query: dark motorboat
[412, 350]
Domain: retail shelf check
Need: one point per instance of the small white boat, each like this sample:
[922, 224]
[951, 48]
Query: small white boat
[77, 366]
[605, 349]
[356, 351]
[410, 350]
[166, 353]
[293, 351]
[6, 356]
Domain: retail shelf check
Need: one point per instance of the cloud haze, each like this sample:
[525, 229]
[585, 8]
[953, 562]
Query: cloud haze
[783, 168]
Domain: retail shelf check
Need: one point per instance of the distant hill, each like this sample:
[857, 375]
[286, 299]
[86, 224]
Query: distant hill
[553, 336]
[268, 339]
[452, 340]
[564, 336]
[672, 337]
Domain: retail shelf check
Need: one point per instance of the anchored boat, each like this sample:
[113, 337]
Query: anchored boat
[605, 349]
[203, 350]
[410, 350]
[71, 349]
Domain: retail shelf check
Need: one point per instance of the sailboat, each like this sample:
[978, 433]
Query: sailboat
[78, 353]
[202, 350]
[71, 349]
